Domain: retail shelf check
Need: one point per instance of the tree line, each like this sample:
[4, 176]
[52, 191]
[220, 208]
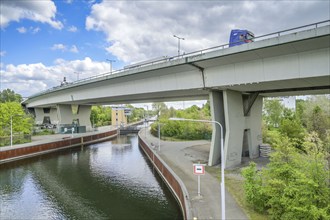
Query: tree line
[182, 130]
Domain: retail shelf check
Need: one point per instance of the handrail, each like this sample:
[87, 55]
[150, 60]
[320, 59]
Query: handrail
[223, 46]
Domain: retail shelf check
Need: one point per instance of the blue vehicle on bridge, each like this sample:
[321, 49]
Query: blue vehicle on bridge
[238, 37]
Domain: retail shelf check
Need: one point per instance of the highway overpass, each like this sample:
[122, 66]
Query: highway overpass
[234, 79]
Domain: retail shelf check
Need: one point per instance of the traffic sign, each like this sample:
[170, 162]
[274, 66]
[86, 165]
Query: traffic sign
[199, 169]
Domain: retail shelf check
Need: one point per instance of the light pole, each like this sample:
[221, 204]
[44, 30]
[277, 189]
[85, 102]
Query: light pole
[146, 121]
[110, 64]
[11, 128]
[223, 205]
[159, 124]
[179, 38]
[77, 75]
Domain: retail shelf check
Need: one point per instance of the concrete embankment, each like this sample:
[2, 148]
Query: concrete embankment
[34, 148]
[171, 179]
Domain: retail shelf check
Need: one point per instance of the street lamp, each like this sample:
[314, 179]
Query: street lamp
[110, 64]
[223, 205]
[11, 128]
[146, 115]
[159, 124]
[77, 75]
[179, 38]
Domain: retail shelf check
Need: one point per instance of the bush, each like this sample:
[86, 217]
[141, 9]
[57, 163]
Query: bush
[182, 130]
[253, 188]
[295, 184]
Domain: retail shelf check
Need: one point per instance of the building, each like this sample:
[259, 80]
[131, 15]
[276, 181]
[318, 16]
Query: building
[118, 116]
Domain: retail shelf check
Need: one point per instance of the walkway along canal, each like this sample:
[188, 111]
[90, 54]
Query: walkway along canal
[108, 180]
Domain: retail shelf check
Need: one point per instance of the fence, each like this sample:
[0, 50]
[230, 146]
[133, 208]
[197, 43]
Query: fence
[17, 139]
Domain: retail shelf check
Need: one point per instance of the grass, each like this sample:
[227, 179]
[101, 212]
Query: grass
[234, 184]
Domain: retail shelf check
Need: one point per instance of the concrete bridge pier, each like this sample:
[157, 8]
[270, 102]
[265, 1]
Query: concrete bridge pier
[68, 114]
[63, 114]
[242, 128]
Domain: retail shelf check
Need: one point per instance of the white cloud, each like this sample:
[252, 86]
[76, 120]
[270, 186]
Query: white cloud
[61, 47]
[73, 29]
[64, 48]
[35, 30]
[140, 30]
[21, 30]
[74, 49]
[24, 30]
[39, 11]
[27, 79]
[2, 53]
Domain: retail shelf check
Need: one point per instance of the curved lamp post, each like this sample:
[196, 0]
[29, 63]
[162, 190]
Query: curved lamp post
[223, 205]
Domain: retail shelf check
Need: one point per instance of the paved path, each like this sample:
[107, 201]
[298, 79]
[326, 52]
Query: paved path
[180, 156]
[40, 139]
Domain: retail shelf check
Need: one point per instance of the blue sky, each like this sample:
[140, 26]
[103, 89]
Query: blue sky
[43, 41]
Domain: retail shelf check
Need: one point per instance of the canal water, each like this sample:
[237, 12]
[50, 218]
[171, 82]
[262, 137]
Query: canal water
[109, 180]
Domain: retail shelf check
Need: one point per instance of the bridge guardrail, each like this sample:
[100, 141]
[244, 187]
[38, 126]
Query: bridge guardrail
[194, 53]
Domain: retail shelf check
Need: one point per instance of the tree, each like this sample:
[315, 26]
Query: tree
[318, 122]
[273, 112]
[8, 95]
[21, 123]
[184, 130]
[137, 114]
[100, 115]
[159, 108]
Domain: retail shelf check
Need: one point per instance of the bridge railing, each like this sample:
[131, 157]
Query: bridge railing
[194, 53]
[263, 37]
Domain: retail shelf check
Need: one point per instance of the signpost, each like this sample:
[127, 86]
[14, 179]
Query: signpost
[199, 169]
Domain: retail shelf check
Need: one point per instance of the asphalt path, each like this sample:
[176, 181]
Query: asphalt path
[181, 156]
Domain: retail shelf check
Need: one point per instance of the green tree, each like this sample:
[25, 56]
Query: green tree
[12, 113]
[137, 114]
[159, 109]
[8, 95]
[100, 115]
[184, 130]
[318, 122]
[273, 112]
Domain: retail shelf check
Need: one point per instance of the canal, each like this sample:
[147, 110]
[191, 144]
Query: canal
[109, 180]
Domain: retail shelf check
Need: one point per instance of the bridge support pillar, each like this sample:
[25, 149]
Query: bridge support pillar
[45, 115]
[242, 134]
[80, 114]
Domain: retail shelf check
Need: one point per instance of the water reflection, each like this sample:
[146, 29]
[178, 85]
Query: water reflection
[109, 180]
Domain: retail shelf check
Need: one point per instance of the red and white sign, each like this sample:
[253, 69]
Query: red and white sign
[199, 169]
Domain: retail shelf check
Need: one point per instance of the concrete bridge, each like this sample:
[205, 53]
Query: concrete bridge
[234, 79]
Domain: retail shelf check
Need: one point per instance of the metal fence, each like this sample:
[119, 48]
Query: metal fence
[17, 139]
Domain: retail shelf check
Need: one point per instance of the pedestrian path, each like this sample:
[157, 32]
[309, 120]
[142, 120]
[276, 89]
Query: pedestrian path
[181, 156]
[41, 139]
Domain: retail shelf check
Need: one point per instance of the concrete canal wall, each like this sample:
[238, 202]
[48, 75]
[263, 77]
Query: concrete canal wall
[29, 150]
[171, 179]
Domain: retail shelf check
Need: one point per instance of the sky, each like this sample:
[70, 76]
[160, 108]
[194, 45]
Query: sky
[43, 41]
